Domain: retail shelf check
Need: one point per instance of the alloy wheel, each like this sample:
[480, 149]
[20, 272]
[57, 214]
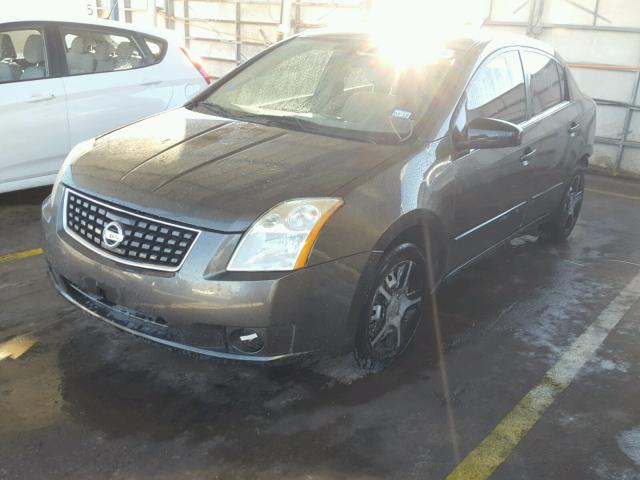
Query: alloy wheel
[395, 309]
[573, 202]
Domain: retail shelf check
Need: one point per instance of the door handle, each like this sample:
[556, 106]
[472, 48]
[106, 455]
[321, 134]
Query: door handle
[152, 83]
[40, 98]
[573, 128]
[528, 155]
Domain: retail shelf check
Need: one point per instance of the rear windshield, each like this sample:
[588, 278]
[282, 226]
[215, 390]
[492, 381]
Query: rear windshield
[332, 86]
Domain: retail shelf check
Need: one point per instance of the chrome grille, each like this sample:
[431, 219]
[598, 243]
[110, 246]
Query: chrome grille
[147, 242]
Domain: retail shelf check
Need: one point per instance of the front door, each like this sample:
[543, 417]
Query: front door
[490, 183]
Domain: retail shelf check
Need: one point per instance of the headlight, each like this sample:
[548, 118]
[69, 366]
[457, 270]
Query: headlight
[282, 238]
[76, 152]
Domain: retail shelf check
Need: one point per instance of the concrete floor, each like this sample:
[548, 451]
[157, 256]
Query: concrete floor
[87, 401]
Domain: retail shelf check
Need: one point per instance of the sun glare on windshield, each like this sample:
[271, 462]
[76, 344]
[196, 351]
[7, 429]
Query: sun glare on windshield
[410, 33]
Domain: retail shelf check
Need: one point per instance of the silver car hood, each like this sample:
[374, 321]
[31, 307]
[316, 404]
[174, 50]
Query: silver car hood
[216, 173]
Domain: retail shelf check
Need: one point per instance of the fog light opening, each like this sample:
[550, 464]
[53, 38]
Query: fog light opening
[246, 340]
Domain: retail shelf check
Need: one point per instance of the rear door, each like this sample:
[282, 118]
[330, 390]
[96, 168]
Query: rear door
[490, 183]
[547, 134]
[33, 116]
[111, 79]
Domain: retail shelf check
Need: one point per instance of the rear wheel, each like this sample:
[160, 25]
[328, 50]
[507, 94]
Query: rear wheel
[566, 216]
[393, 308]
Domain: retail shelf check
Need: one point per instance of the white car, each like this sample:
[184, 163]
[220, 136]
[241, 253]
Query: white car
[64, 82]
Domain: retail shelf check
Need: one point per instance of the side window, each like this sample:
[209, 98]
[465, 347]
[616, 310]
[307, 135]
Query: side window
[155, 47]
[99, 51]
[546, 85]
[497, 90]
[22, 55]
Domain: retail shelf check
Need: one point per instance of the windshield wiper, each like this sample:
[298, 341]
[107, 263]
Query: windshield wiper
[304, 125]
[282, 121]
[271, 120]
[217, 110]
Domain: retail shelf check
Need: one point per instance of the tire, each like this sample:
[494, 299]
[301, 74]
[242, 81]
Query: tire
[393, 307]
[564, 219]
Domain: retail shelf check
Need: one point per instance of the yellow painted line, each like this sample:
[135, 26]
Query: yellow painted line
[492, 452]
[612, 194]
[16, 347]
[12, 257]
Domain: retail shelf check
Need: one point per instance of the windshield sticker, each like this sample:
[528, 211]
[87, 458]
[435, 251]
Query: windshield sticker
[403, 114]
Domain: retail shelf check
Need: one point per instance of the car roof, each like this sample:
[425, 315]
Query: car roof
[99, 22]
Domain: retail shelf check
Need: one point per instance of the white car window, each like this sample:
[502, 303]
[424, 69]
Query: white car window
[97, 51]
[22, 55]
[155, 47]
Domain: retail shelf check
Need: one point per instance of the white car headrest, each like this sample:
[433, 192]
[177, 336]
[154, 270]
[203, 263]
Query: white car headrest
[79, 45]
[125, 50]
[6, 47]
[34, 49]
[103, 51]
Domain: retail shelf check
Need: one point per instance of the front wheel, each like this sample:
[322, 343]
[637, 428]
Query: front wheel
[565, 218]
[393, 307]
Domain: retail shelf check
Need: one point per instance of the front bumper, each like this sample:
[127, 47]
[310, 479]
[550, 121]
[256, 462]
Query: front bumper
[201, 306]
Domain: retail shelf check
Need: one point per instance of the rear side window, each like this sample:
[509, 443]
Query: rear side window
[545, 81]
[497, 90]
[155, 47]
[22, 55]
[99, 51]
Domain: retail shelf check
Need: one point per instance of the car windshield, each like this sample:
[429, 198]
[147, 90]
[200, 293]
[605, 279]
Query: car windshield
[332, 86]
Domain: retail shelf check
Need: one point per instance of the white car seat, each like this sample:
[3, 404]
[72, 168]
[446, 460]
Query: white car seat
[6, 72]
[104, 61]
[125, 58]
[9, 69]
[79, 60]
[34, 54]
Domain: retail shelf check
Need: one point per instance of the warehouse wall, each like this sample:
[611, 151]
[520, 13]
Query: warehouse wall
[599, 38]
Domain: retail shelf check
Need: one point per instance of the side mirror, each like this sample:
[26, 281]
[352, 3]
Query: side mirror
[492, 133]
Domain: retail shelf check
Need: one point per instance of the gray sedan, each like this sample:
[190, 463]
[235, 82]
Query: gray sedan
[316, 197]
